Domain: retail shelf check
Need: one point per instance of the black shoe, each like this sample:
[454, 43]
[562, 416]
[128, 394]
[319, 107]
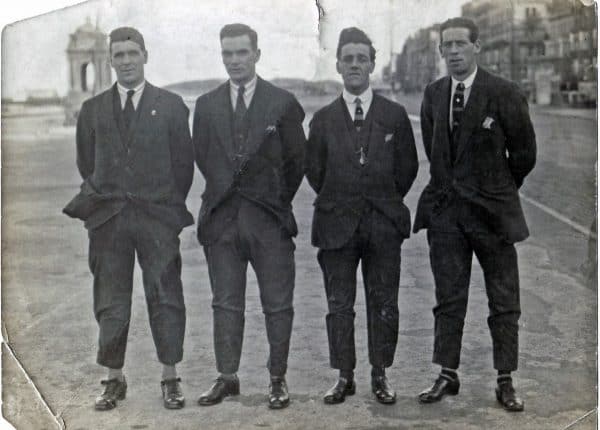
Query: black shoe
[383, 391]
[172, 394]
[221, 389]
[115, 390]
[506, 395]
[442, 386]
[338, 393]
[278, 393]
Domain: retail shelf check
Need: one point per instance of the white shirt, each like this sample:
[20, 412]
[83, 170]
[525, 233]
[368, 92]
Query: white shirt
[468, 82]
[366, 97]
[137, 95]
[249, 89]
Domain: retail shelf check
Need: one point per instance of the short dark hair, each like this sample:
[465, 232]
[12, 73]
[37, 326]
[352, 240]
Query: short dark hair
[461, 22]
[354, 35]
[123, 34]
[237, 29]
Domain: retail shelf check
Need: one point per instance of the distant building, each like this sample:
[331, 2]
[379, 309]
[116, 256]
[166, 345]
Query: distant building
[512, 34]
[420, 62]
[548, 47]
[571, 52]
[89, 66]
[40, 97]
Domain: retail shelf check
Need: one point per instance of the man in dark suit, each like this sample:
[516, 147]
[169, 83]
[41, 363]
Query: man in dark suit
[249, 146]
[361, 161]
[480, 143]
[135, 156]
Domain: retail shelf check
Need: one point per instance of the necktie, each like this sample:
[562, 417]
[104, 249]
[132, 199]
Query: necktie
[458, 105]
[129, 110]
[240, 105]
[238, 119]
[359, 115]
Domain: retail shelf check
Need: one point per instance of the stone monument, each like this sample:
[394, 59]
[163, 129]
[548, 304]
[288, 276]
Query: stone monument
[89, 68]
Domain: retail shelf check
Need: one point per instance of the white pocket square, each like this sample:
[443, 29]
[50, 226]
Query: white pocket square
[389, 136]
[487, 122]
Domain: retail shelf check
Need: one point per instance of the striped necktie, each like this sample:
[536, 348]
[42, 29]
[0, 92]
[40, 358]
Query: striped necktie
[458, 105]
[359, 115]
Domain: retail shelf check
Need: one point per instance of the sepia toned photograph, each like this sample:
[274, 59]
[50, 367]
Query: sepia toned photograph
[300, 214]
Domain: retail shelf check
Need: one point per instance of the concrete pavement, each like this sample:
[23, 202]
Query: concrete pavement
[46, 310]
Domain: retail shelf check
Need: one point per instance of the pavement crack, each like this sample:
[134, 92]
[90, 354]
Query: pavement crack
[57, 419]
[584, 416]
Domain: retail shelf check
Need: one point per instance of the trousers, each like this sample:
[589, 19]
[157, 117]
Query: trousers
[112, 250]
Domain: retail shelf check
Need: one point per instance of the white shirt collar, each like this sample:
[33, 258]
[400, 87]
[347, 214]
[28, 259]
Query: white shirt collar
[137, 94]
[468, 81]
[249, 89]
[138, 88]
[365, 97]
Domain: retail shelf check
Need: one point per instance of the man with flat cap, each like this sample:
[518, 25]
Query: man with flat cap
[481, 145]
[249, 146]
[135, 156]
[361, 161]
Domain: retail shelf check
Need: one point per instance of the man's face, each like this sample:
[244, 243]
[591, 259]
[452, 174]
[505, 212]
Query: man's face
[128, 59]
[459, 52]
[239, 58]
[355, 66]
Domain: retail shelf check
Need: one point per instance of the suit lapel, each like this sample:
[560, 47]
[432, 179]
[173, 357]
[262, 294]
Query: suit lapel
[442, 128]
[473, 113]
[375, 111]
[112, 105]
[256, 112]
[223, 118]
[342, 124]
[143, 113]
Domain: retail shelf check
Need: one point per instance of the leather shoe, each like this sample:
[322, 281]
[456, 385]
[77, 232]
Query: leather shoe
[221, 389]
[279, 397]
[506, 395]
[337, 393]
[172, 394]
[115, 390]
[383, 391]
[442, 386]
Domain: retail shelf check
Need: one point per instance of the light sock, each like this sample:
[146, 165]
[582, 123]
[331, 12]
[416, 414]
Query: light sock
[169, 372]
[115, 374]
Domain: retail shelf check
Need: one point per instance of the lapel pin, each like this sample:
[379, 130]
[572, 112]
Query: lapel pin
[153, 112]
[487, 123]
[389, 136]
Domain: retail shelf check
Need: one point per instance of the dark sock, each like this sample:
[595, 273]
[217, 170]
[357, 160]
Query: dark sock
[277, 377]
[377, 371]
[504, 376]
[450, 373]
[348, 375]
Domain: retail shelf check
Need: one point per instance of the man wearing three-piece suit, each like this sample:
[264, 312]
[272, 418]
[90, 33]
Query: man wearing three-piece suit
[361, 161]
[135, 156]
[481, 145]
[249, 146]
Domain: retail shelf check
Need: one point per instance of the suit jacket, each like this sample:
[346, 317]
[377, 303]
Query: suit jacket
[496, 150]
[343, 185]
[150, 165]
[269, 173]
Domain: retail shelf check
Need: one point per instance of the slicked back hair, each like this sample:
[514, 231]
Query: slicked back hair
[238, 29]
[461, 22]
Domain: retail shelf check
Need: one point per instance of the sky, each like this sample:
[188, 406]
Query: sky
[182, 36]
